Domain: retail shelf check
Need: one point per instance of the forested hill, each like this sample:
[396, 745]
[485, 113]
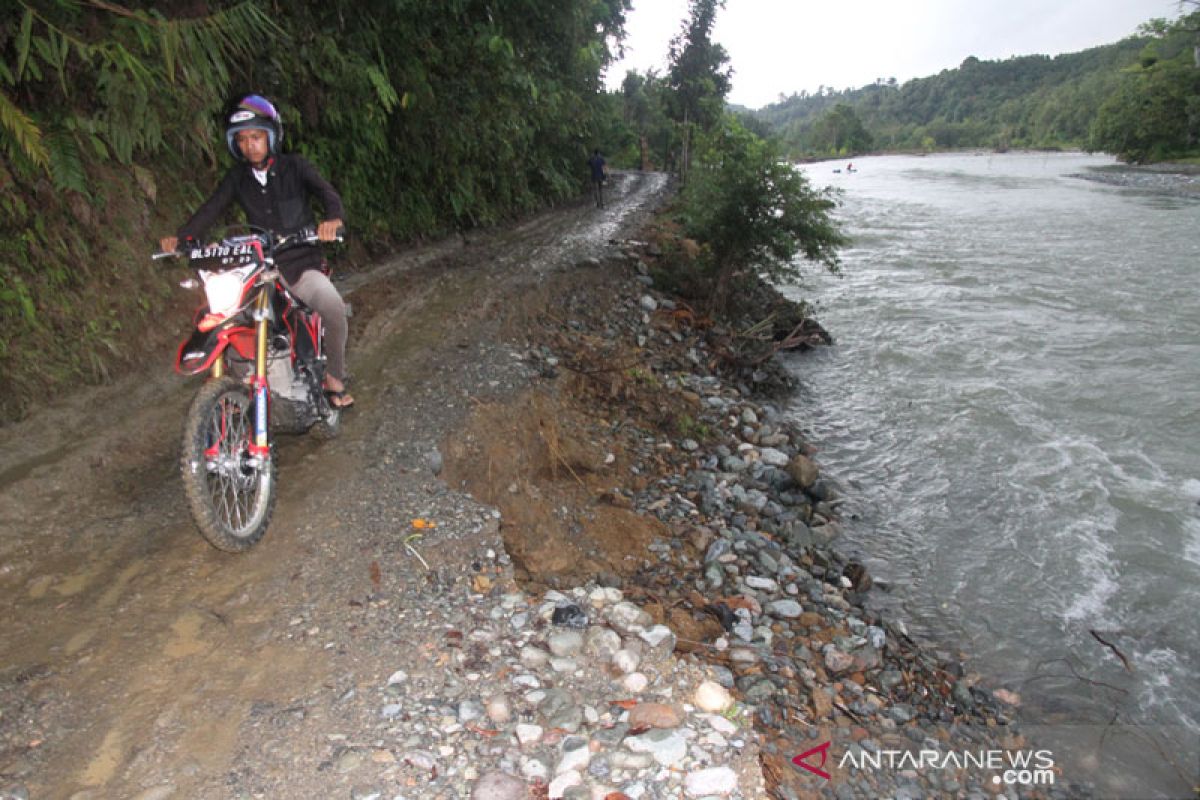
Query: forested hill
[1027, 101]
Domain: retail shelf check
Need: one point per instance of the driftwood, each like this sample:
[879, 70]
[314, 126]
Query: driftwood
[1113, 647]
[758, 344]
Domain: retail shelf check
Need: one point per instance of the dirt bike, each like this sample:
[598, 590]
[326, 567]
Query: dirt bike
[263, 352]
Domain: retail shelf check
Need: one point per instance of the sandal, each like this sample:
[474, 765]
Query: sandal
[339, 400]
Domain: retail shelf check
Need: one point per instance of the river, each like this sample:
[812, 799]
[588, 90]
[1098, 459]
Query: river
[1012, 408]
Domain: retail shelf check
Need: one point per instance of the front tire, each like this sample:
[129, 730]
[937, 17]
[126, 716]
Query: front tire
[231, 494]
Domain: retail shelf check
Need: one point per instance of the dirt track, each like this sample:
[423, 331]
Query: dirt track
[139, 662]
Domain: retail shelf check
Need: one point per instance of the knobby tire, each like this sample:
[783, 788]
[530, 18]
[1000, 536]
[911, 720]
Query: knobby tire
[231, 504]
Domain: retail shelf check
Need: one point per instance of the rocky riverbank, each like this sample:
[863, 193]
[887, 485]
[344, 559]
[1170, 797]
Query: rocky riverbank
[725, 538]
[1179, 180]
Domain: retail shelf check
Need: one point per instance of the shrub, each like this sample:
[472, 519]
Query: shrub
[753, 213]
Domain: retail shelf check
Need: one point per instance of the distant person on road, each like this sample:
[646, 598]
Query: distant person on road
[274, 189]
[599, 176]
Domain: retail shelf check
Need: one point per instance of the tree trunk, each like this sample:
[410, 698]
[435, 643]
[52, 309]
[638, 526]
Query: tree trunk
[686, 162]
[718, 302]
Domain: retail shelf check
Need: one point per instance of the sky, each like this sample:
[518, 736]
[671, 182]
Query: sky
[783, 46]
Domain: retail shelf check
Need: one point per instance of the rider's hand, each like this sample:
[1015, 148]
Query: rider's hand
[327, 231]
[168, 244]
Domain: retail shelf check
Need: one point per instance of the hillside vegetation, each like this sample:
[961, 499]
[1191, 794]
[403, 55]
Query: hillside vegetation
[1138, 98]
[428, 115]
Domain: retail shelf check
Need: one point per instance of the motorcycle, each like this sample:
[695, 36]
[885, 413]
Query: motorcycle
[263, 352]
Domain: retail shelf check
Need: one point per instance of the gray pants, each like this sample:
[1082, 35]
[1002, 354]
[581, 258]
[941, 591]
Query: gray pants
[314, 289]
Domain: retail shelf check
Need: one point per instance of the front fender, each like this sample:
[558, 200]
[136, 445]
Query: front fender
[199, 351]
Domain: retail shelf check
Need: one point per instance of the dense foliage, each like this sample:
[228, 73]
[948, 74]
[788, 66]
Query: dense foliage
[1155, 113]
[428, 115]
[753, 214]
[1029, 101]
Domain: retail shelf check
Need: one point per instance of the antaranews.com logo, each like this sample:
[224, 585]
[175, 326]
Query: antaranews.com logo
[1009, 767]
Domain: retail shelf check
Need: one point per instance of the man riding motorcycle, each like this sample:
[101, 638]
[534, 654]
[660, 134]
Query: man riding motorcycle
[274, 189]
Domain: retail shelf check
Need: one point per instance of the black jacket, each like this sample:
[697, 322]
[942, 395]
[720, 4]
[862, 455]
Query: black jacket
[281, 206]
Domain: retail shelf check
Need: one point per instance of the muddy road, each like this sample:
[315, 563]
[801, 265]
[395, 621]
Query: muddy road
[138, 662]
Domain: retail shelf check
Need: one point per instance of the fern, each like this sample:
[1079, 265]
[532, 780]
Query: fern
[383, 88]
[66, 164]
[23, 42]
[23, 132]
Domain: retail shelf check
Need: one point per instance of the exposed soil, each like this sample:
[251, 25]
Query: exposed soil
[140, 662]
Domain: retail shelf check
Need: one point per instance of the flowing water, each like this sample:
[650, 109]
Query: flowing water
[1013, 408]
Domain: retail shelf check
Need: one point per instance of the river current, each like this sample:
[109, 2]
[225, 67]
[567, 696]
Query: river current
[1012, 409]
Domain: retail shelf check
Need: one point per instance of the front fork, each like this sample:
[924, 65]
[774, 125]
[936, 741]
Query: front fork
[260, 447]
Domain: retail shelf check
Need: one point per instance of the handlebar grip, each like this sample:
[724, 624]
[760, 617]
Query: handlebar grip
[161, 256]
[309, 235]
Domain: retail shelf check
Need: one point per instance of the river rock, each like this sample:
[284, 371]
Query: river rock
[764, 584]
[712, 697]
[803, 471]
[628, 618]
[635, 682]
[836, 661]
[602, 643]
[563, 782]
[566, 643]
[575, 755]
[655, 715]
[499, 710]
[661, 641]
[773, 457]
[719, 781]
[787, 609]
[626, 660]
[667, 747]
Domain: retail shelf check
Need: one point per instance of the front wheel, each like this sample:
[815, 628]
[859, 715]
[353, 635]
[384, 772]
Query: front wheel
[231, 491]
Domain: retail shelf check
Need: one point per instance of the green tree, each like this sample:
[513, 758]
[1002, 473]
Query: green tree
[699, 75]
[754, 214]
[644, 110]
[1153, 117]
[841, 132]
[1155, 113]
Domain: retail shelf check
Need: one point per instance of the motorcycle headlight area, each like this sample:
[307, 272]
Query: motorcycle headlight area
[225, 290]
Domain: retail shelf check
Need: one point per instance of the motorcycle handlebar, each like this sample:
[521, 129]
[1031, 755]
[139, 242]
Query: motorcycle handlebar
[303, 236]
[308, 236]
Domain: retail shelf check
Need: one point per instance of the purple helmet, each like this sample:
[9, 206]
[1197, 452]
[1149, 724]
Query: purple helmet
[254, 112]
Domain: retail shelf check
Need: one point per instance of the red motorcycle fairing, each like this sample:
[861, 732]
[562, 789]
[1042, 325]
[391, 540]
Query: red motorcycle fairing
[199, 351]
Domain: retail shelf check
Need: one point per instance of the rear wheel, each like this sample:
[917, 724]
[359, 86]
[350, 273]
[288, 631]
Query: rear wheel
[231, 492]
[329, 426]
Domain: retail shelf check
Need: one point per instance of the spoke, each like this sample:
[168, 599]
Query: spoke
[237, 444]
[236, 490]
